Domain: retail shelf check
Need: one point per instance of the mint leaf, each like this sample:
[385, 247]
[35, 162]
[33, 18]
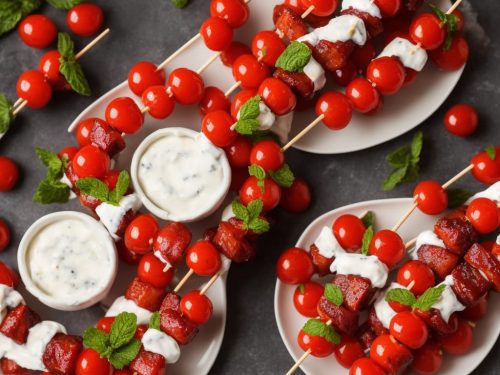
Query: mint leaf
[448, 20]
[400, 157]
[250, 110]
[66, 47]
[247, 127]
[491, 151]
[51, 161]
[283, 176]
[402, 296]
[367, 239]
[240, 211]
[96, 339]
[64, 4]
[259, 173]
[429, 298]
[154, 321]
[301, 288]
[457, 197]
[416, 147]
[121, 188]
[73, 73]
[411, 173]
[255, 208]
[94, 187]
[179, 3]
[294, 58]
[13, 11]
[123, 329]
[368, 219]
[51, 191]
[125, 354]
[333, 294]
[394, 179]
[316, 327]
[259, 225]
[6, 115]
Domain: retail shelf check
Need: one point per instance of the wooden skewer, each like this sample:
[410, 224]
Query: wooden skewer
[299, 362]
[304, 131]
[307, 11]
[210, 283]
[183, 281]
[17, 102]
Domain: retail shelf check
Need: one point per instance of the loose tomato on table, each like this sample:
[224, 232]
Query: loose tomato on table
[343, 76]
[321, 8]
[196, 307]
[33, 87]
[318, 346]
[363, 96]
[250, 72]
[295, 266]
[203, 258]
[161, 104]
[90, 363]
[306, 297]
[484, 215]
[91, 161]
[217, 127]
[235, 50]
[8, 276]
[85, 19]
[461, 120]
[277, 95]
[454, 57]
[216, 33]
[297, 197]
[460, 341]
[140, 233]
[418, 274]
[143, 75]
[336, 109]
[348, 351]
[387, 74]
[349, 231]
[270, 193]
[49, 65]
[428, 359]
[409, 329]
[388, 246]
[427, 31]
[268, 155]
[4, 235]
[9, 174]
[238, 152]
[186, 85]
[430, 197]
[366, 366]
[37, 31]
[239, 99]
[151, 270]
[267, 46]
[486, 168]
[234, 12]
[124, 115]
[214, 99]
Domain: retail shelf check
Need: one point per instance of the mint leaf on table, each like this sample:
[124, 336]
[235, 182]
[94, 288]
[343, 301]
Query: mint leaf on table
[51, 161]
[179, 3]
[394, 179]
[65, 46]
[491, 152]
[402, 296]
[6, 115]
[283, 176]
[51, 191]
[13, 11]
[333, 294]
[64, 4]
[294, 58]
[457, 197]
[316, 327]
[367, 239]
[429, 298]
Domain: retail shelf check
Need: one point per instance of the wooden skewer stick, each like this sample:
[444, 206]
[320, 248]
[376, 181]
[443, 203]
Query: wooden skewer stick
[172, 57]
[304, 131]
[20, 107]
[307, 11]
[17, 102]
[209, 61]
[183, 281]
[210, 283]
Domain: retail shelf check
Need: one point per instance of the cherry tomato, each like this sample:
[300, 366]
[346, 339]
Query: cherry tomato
[428, 359]
[49, 65]
[363, 55]
[4, 235]
[186, 85]
[365, 366]
[363, 96]
[267, 46]
[486, 169]
[336, 109]
[461, 22]
[214, 99]
[453, 58]
[418, 273]
[126, 255]
[160, 103]
[460, 341]
[349, 231]
[238, 177]
[9, 174]
[295, 266]
[409, 329]
[90, 363]
[268, 155]
[84, 128]
[217, 128]
[91, 161]
[430, 197]
[477, 311]
[388, 8]
[277, 95]
[426, 30]
[68, 152]
[388, 246]
[484, 215]
[385, 349]
[124, 115]
[319, 346]
[34, 88]
[8, 276]
[141, 233]
[140, 331]
[216, 33]
[104, 324]
[295, 5]
[251, 190]
[85, 19]
[111, 178]
[203, 258]
[306, 298]
[239, 99]
[234, 12]
[151, 270]
[238, 152]
[37, 31]
[399, 307]
[343, 76]
[461, 120]
[348, 351]
[249, 71]
[296, 198]
[196, 307]
[322, 8]
[235, 50]
[143, 75]
[387, 73]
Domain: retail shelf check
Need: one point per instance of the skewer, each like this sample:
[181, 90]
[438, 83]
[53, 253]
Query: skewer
[183, 281]
[210, 283]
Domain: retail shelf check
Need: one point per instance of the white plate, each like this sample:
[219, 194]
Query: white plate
[387, 212]
[401, 113]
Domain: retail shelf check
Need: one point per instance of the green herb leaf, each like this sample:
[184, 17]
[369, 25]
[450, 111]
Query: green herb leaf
[429, 298]
[123, 329]
[333, 294]
[457, 197]
[51, 191]
[259, 225]
[394, 179]
[402, 296]
[250, 110]
[411, 173]
[121, 188]
[258, 172]
[247, 127]
[125, 354]
[450, 21]
[96, 339]
[66, 47]
[179, 3]
[73, 73]
[283, 176]
[13, 11]
[64, 4]
[316, 327]
[94, 187]
[51, 161]
[240, 211]
[416, 147]
[368, 219]
[491, 151]
[255, 208]
[294, 58]
[154, 321]
[400, 157]
[301, 288]
[367, 239]
[6, 115]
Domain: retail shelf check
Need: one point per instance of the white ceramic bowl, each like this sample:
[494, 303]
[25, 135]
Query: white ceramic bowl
[99, 232]
[187, 215]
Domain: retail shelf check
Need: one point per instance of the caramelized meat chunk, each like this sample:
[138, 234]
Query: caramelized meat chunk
[289, 23]
[61, 354]
[321, 263]
[440, 260]
[147, 363]
[232, 242]
[478, 257]
[17, 323]
[373, 25]
[172, 240]
[456, 232]
[468, 284]
[332, 56]
[145, 295]
[343, 320]
[299, 82]
[357, 290]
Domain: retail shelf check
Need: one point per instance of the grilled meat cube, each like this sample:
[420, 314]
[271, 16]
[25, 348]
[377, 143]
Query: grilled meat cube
[373, 25]
[435, 321]
[145, 295]
[147, 363]
[61, 354]
[456, 231]
[332, 56]
[321, 263]
[106, 138]
[171, 301]
[440, 260]
[299, 82]
[232, 242]
[468, 284]
[366, 335]
[289, 22]
[357, 290]
[174, 324]
[375, 324]
[478, 257]
[172, 240]
[17, 323]
[343, 320]
[10, 367]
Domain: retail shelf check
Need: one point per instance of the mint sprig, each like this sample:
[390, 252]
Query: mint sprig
[368, 219]
[457, 197]
[71, 70]
[333, 294]
[13, 11]
[259, 173]
[247, 122]
[283, 176]
[64, 4]
[450, 21]
[98, 189]
[294, 58]
[491, 152]
[119, 346]
[316, 327]
[367, 239]
[51, 189]
[179, 4]
[407, 298]
[250, 215]
[154, 321]
[6, 114]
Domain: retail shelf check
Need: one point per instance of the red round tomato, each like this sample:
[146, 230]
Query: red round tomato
[363, 96]
[460, 341]
[388, 8]
[213, 99]
[250, 72]
[4, 235]
[295, 5]
[277, 95]
[203, 258]
[68, 152]
[8, 276]
[186, 85]
[235, 50]
[238, 152]
[234, 12]
[126, 255]
[460, 20]
[388, 246]
[216, 33]
[268, 155]
[37, 31]
[430, 197]
[477, 311]
[363, 55]
[217, 127]
[428, 359]
[90, 363]
[319, 346]
[140, 233]
[453, 58]
[49, 65]
[322, 8]
[295, 266]
[151, 270]
[143, 75]
[238, 177]
[427, 30]
[335, 108]
[343, 76]
[84, 128]
[409, 329]
[306, 298]
[85, 19]
[124, 115]
[484, 215]
[385, 351]
[486, 169]
[196, 307]
[9, 174]
[387, 74]
[418, 274]
[348, 351]
[34, 88]
[239, 99]
[365, 366]
[349, 231]
[104, 324]
[160, 103]
[296, 198]
[111, 179]
[267, 46]
[461, 120]
[270, 193]
[90, 161]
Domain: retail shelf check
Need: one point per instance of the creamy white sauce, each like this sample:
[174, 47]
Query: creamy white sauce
[327, 243]
[492, 192]
[163, 260]
[67, 261]
[448, 303]
[282, 127]
[159, 342]
[339, 29]
[121, 304]
[316, 74]
[111, 216]
[30, 354]
[411, 55]
[266, 116]
[182, 174]
[65, 180]
[383, 310]
[9, 298]
[367, 6]
[428, 237]
[368, 266]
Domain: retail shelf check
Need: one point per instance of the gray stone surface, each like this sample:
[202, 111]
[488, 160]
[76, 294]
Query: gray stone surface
[148, 30]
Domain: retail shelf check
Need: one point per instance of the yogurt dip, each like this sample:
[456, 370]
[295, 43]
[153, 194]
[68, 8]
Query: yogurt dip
[67, 260]
[180, 175]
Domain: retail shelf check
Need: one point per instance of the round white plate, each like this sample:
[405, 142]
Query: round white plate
[402, 112]
[388, 212]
